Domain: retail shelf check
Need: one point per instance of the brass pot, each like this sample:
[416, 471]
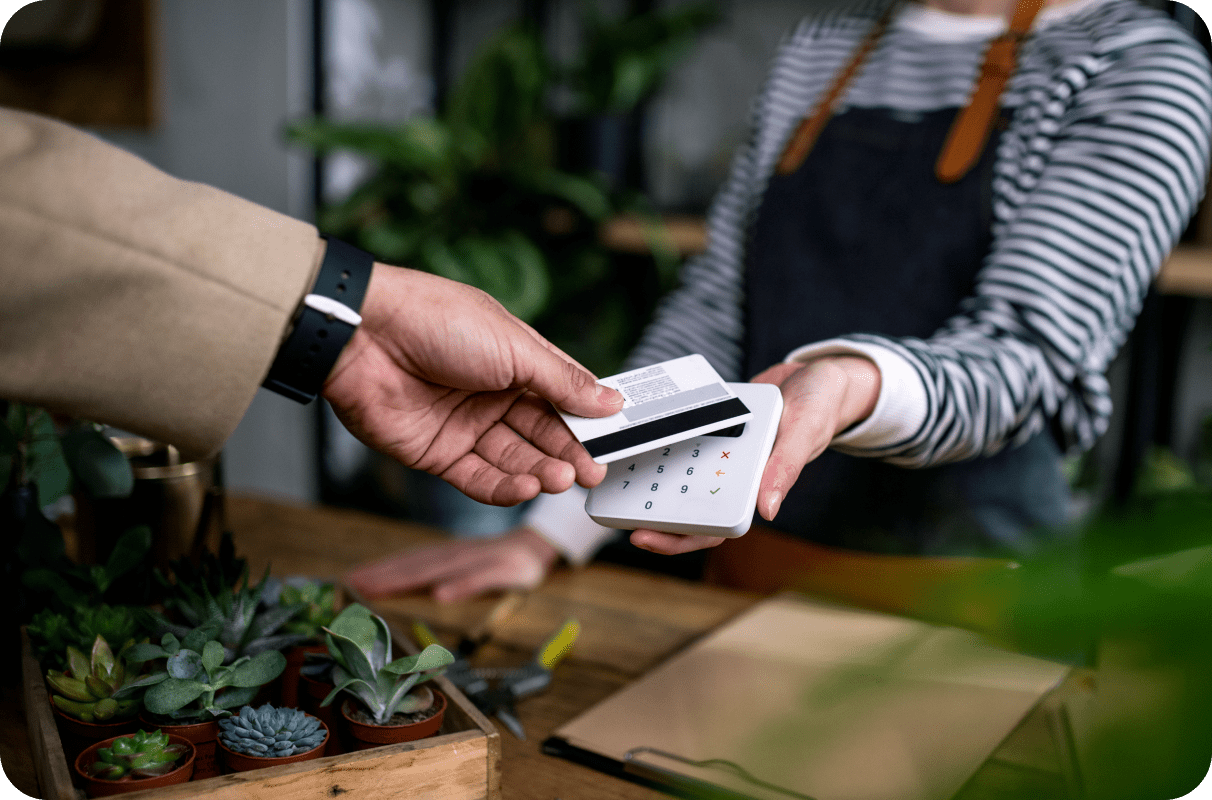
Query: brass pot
[177, 499]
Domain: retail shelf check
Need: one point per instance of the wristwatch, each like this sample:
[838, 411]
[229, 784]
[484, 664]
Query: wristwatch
[324, 324]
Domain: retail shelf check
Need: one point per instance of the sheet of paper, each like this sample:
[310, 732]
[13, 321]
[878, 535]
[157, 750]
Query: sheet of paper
[664, 404]
[828, 702]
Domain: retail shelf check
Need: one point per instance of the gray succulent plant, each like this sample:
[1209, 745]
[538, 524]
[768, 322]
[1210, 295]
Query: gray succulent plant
[246, 626]
[271, 732]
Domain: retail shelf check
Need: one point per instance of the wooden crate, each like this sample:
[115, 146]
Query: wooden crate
[463, 762]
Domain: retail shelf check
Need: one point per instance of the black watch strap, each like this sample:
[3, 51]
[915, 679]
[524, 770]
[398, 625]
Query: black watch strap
[325, 323]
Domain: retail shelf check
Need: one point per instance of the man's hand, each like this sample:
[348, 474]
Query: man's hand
[821, 399]
[442, 378]
[519, 559]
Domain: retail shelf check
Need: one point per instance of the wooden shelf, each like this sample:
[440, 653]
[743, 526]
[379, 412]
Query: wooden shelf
[680, 234]
[1187, 272]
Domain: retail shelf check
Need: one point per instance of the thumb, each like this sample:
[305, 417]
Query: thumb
[552, 375]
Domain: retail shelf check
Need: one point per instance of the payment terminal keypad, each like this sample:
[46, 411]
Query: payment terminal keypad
[705, 485]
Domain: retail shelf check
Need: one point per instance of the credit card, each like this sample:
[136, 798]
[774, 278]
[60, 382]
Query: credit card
[663, 404]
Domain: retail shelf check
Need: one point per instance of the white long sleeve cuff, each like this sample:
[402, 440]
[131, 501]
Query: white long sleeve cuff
[901, 408]
[562, 521]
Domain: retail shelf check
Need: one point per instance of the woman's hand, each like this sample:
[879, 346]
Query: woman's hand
[459, 570]
[821, 398]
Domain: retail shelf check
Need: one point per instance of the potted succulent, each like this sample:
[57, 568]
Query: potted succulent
[145, 760]
[97, 697]
[51, 632]
[390, 704]
[317, 599]
[315, 684]
[270, 737]
[202, 596]
[198, 688]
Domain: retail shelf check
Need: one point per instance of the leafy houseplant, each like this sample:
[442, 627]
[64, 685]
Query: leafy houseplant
[100, 687]
[268, 736]
[623, 60]
[360, 643]
[478, 194]
[39, 465]
[33, 452]
[465, 195]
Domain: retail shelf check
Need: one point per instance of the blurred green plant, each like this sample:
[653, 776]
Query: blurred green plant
[69, 587]
[41, 462]
[624, 59]
[464, 196]
[476, 194]
[32, 451]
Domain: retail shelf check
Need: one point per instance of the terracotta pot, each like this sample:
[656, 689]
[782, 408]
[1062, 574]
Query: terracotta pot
[295, 657]
[368, 736]
[240, 762]
[204, 736]
[311, 693]
[96, 787]
[76, 734]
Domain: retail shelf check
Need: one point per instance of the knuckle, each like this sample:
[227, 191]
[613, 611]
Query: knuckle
[578, 379]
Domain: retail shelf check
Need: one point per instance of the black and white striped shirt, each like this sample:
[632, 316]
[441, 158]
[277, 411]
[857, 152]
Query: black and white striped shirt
[1101, 167]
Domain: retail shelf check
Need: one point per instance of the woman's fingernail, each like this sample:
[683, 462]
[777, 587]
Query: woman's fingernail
[776, 499]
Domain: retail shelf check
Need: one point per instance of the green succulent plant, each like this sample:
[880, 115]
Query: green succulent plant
[269, 732]
[142, 755]
[360, 643]
[99, 687]
[195, 683]
[317, 599]
[245, 626]
[51, 632]
[213, 570]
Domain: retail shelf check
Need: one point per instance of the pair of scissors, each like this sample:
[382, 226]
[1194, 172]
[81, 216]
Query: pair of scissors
[496, 690]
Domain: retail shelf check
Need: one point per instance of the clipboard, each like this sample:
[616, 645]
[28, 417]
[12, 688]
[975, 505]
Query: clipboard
[801, 700]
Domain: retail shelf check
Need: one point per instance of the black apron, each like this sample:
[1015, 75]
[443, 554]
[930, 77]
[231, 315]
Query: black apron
[863, 238]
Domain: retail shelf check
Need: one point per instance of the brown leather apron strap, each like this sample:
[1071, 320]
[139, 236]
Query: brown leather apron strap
[970, 131]
[802, 141]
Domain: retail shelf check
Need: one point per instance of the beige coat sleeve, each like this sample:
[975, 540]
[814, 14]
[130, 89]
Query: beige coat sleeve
[133, 298]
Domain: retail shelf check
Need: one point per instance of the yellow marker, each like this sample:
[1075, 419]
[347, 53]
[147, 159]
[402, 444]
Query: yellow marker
[423, 635]
[555, 648]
